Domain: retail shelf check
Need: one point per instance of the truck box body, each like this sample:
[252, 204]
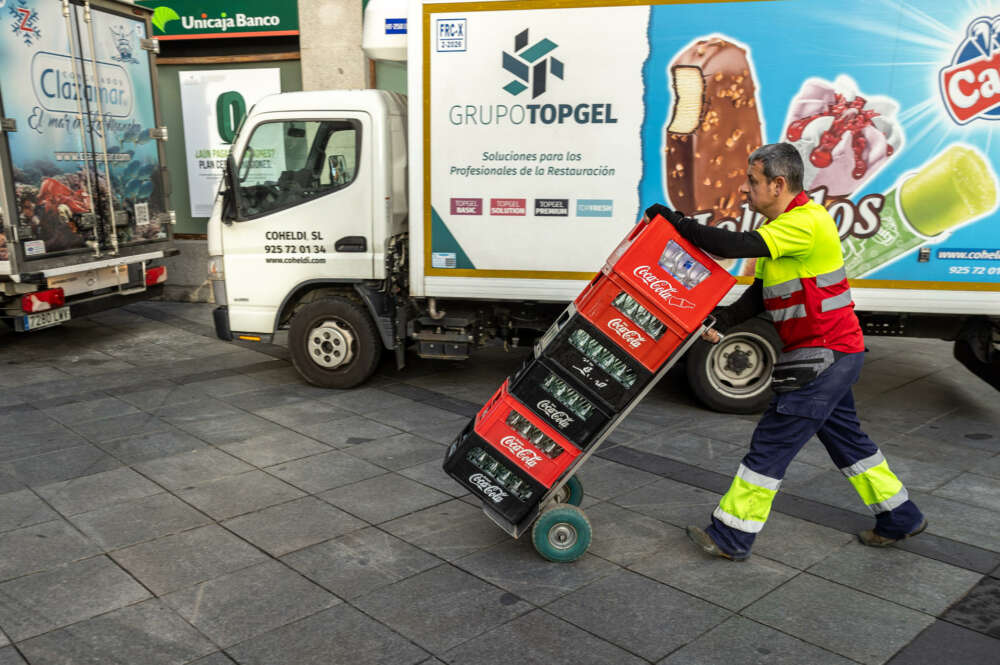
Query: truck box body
[84, 197]
[534, 135]
[571, 109]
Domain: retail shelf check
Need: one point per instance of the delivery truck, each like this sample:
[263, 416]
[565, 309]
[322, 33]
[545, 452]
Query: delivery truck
[533, 136]
[84, 214]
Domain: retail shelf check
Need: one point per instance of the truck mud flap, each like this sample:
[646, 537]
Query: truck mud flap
[987, 371]
[220, 316]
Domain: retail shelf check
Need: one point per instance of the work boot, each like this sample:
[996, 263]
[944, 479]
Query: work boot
[872, 539]
[708, 546]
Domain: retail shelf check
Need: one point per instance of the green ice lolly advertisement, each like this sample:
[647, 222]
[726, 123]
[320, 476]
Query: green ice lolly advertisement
[955, 188]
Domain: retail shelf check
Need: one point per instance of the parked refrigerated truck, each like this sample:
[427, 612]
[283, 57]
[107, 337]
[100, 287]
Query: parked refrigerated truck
[83, 203]
[534, 135]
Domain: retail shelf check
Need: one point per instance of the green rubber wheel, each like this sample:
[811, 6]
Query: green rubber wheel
[561, 534]
[571, 492]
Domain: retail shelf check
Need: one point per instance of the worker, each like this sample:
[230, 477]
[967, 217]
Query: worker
[801, 285]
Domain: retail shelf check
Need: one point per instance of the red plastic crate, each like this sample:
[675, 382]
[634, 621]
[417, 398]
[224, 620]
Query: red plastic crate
[596, 305]
[639, 260]
[491, 424]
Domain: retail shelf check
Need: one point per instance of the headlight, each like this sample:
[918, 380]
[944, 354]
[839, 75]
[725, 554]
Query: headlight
[215, 268]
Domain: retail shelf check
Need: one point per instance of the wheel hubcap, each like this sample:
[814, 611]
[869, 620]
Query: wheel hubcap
[562, 536]
[740, 365]
[331, 344]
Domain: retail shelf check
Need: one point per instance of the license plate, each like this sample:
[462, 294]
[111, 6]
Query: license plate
[46, 319]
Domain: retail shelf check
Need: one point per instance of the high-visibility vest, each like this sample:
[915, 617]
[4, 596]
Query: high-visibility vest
[806, 292]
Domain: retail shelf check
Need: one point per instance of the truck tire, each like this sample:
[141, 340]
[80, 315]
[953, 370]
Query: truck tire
[734, 376]
[334, 343]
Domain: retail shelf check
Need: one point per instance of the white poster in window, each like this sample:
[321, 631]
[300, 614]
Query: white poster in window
[214, 103]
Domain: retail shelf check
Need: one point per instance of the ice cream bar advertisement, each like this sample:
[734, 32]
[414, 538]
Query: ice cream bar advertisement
[582, 116]
[65, 172]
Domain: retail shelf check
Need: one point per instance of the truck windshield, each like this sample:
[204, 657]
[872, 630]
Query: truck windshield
[289, 162]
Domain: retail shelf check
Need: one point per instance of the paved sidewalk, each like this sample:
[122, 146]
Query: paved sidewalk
[168, 498]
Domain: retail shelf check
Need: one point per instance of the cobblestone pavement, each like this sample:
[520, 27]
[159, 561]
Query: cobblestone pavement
[169, 498]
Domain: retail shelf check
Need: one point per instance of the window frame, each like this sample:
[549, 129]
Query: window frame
[355, 123]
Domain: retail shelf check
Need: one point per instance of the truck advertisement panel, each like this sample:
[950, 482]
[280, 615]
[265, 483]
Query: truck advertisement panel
[554, 127]
[65, 173]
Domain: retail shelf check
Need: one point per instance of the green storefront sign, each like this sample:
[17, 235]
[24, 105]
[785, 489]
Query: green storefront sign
[191, 19]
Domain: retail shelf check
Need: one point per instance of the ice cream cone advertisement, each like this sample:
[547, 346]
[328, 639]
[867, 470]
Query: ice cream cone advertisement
[890, 105]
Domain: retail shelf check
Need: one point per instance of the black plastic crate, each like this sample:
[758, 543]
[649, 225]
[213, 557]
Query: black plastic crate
[554, 397]
[601, 368]
[491, 477]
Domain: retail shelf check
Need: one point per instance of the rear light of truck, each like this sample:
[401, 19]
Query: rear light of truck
[157, 275]
[42, 301]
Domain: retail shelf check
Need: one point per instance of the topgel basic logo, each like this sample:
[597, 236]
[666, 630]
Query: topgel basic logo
[970, 86]
[530, 65]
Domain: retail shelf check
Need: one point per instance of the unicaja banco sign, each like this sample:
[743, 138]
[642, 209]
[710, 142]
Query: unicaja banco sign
[193, 19]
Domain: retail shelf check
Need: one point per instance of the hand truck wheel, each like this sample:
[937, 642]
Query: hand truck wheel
[561, 534]
[571, 492]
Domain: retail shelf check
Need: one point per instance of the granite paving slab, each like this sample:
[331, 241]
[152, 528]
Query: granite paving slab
[155, 399]
[147, 632]
[22, 551]
[671, 501]
[442, 607]
[229, 429]
[121, 525]
[325, 471]
[148, 446]
[82, 459]
[515, 566]
[412, 417]
[79, 412]
[739, 640]
[638, 614]
[294, 525]
[360, 561]
[340, 634]
[180, 560]
[48, 437]
[348, 432]
[88, 493]
[898, 576]
[192, 468]
[365, 400]
[398, 451]
[237, 606]
[64, 595]
[274, 448]
[980, 609]
[236, 495]
[23, 508]
[431, 474]
[972, 488]
[947, 643]
[823, 613]
[624, 537]
[10, 656]
[132, 424]
[958, 521]
[798, 543]
[682, 565]
[539, 637]
[307, 412]
[449, 530]
[265, 398]
[383, 497]
[604, 479]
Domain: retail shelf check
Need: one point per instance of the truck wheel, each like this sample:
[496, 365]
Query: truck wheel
[734, 376]
[334, 343]
[561, 534]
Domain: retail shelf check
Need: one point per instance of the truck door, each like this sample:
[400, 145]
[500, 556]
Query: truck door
[303, 212]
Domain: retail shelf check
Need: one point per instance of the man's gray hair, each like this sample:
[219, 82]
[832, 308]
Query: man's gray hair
[780, 159]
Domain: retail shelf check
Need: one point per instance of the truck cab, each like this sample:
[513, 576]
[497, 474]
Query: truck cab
[313, 199]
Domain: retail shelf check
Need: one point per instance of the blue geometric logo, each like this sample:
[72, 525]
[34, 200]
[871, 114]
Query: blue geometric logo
[530, 65]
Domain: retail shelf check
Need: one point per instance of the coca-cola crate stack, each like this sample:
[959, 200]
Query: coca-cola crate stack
[618, 337]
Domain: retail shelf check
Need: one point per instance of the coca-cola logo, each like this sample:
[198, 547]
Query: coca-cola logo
[560, 418]
[662, 287]
[521, 451]
[968, 84]
[631, 337]
[485, 485]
